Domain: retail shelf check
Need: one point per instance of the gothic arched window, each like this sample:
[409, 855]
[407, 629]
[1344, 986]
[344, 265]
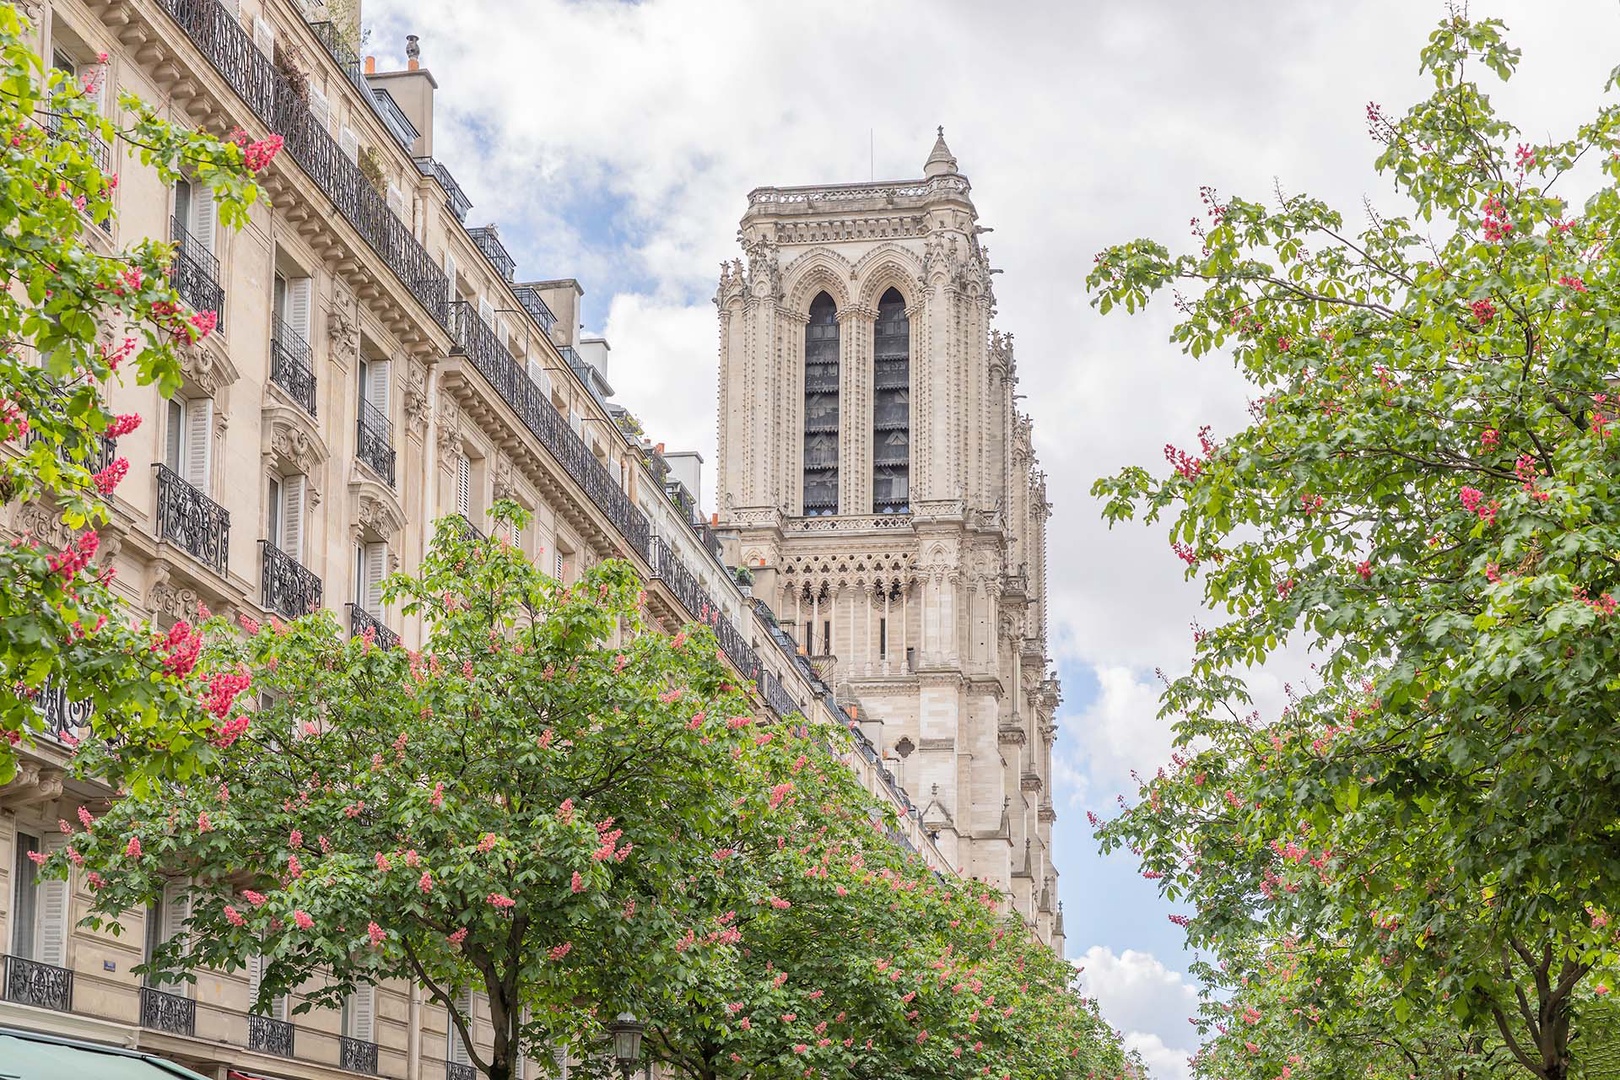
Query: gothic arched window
[821, 408]
[891, 407]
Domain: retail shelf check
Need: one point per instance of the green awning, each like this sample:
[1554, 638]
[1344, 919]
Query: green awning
[31, 1056]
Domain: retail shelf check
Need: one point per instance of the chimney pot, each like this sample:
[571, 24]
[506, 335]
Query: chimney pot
[371, 65]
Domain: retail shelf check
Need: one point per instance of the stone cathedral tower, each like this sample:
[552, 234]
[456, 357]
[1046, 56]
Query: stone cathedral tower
[879, 481]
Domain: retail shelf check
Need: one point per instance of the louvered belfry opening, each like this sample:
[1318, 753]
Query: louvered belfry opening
[821, 409]
[891, 407]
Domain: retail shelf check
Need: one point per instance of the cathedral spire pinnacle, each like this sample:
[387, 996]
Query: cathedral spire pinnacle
[940, 161]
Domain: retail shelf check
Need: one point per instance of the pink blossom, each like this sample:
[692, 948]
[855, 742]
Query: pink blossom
[295, 839]
[557, 952]
[486, 842]
[436, 800]
[375, 933]
[425, 882]
[254, 898]
[577, 883]
[498, 900]
[295, 869]
[203, 824]
[233, 916]
[565, 812]
[383, 863]
[302, 920]
[85, 818]
[458, 937]
[110, 477]
[133, 848]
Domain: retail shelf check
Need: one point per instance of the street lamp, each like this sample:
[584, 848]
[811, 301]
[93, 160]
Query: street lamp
[626, 1031]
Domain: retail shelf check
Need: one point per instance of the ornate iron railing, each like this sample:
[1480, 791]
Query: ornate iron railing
[268, 1035]
[187, 517]
[195, 272]
[478, 343]
[168, 1012]
[668, 568]
[220, 37]
[292, 364]
[44, 986]
[375, 442]
[455, 1070]
[488, 239]
[290, 588]
[535, 305]
[776, 696]
[469, 532]
[357, 1055]
[457, 198]
[361, 620]
[62, 715]
[101, 452]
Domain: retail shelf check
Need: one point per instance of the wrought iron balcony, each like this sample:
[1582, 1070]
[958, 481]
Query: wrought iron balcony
[535, 305]
[668, 568]
[101, 452]
[469, 532]
[361, 620]
[195, 272]
[62, 715]
[455, 1070]
[357, 1055]
[457, 198]
[375, 443]
[290, 588]
[292, 364]
[268, 1035]
[218, 35]
[488, 240]
[187, 517]
[777, 699]
[168, 1012]
[332, 40]
[28, 982]
[478, 343]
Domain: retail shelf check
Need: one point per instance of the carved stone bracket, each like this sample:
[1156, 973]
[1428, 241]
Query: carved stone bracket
[416, 398]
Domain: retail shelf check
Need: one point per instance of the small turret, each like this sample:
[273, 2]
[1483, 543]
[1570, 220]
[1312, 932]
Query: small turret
[940, 161]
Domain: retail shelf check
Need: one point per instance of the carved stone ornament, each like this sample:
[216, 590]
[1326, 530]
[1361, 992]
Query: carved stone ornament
[206, 366]
[449, 426]
[176, 600]
[764, 270]
[503, 482]
[376, 516]
[416, 397]
[343, 325]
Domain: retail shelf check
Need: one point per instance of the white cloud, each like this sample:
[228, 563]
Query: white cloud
[1148, 1002]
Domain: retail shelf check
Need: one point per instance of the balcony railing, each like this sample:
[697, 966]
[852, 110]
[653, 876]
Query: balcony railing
[455, 1070]
[62, 715]
[268, 1035]
[357, 1055]
[478, 343]
[535, 305]
[28, 982]
[195, 272]
[399, 125]
[292, 364]
[215, 31]
[459, 203]
[290, 588]
[361, 620]
[488, 240]
[102, 451]
[331, 39]
[168, 1012]
[187, 517]
[375, 444]
[668, 568]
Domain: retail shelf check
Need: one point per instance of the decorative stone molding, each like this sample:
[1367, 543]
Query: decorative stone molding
[206, 366]
[764, 272]
[343, 326]
[416, 398]
[290, 442]
[449, 426]
[377, 515]
[503, 482]
[174, 599]
[1011, 734]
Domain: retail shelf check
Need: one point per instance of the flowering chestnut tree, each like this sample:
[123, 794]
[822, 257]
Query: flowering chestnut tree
[839, 952]
[1425, 497]
[76, 314]
[520, 804]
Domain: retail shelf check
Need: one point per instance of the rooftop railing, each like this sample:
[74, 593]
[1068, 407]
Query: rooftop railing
[488, 239]
[459, 203]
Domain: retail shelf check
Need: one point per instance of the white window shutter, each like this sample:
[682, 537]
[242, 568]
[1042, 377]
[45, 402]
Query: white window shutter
[292, 516]
[53, 900]
[350, 144]
[203, 216]
[450, 273]
[264, 36]
[377, 372]
[463, 485]
[396, 201]
[175, 909]
[374, 567]
[540, 376]
[232, 6]
[300, 301]
[458, 1048]
[574, 421]
[320, 109]
[486, 311]
[362, 1013]
[199, 449]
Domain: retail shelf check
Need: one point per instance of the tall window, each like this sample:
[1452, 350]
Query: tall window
[821, 409]
[891, 407]
[284, 515]
[188, 440]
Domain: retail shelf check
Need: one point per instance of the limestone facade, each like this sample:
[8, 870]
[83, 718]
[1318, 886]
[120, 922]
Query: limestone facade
[879, 481]
[378, 365]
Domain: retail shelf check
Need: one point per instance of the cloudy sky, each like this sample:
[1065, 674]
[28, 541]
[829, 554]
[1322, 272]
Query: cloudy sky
[616, 142]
